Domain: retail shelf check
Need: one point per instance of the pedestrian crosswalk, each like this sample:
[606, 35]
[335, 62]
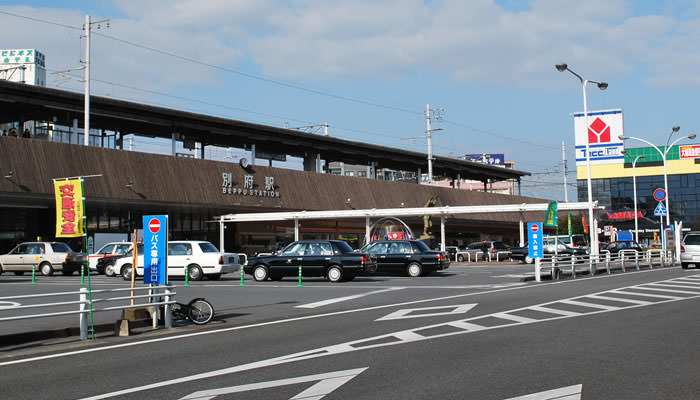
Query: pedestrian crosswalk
[629, 297]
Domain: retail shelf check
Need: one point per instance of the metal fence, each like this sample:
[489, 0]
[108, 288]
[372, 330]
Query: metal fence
[86, 303]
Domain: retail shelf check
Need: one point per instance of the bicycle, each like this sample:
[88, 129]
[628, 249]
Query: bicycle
[198, 310]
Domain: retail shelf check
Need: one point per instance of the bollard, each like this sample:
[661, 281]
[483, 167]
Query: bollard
[592, 267]
[83, 314]
[34, 274]
[651, 266]
[300, 284]
[82, 274]
[166, 309]
[622, 260]
[607, 263]
[187, 276]
[636, 260]
[242, 277]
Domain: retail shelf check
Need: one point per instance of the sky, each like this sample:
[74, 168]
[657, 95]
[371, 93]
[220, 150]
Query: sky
[368, 68]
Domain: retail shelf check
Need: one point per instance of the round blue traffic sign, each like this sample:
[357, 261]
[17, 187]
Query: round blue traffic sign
[659, 194]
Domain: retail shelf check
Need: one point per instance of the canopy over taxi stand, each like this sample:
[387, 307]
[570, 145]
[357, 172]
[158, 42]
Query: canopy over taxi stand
[443, 212]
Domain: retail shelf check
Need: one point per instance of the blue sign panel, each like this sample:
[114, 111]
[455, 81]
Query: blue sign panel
[155, 249]
[660, 210]
[486, 158]
[534, 239]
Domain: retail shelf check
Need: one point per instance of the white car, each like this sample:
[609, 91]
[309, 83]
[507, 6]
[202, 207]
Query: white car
[115, 249]
[199, 258]
[46, 257]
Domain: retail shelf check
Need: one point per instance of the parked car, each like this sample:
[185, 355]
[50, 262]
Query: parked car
[198, 258]
[619, 245]
[334, 259]
[690, 250]
[549, 244]
[486, 250]
[108, 253]
[412, 257]
[46, 256]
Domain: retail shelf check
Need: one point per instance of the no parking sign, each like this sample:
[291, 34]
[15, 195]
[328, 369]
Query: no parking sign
[534, 239]
[155, 245]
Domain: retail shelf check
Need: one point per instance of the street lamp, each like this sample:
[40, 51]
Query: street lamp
[601, 86]
[634, 188]
[663, 156]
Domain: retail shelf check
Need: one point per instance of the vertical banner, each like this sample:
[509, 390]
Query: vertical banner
[583, 221]
[602, 134]
[155, 249]
[551, 218]
[534, 239]
[69, 208]
[570, 231]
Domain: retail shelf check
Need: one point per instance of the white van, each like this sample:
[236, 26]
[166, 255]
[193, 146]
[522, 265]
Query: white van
[198, 258]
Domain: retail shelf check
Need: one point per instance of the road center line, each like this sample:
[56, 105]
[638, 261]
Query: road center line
[346, 298]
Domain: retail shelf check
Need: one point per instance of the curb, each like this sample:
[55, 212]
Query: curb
[30, 337]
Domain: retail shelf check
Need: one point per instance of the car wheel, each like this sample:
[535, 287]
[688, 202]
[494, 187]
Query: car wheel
[334, 273]
[414, 270]
[460, 258]
[260, 273]
[109, 270]
[126, 272]
[528, 260]
[46, 269]
[195, 273]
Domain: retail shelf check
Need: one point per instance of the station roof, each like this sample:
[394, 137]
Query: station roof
[22, 102]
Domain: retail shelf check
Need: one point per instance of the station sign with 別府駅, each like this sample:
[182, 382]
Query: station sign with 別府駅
[602, 134]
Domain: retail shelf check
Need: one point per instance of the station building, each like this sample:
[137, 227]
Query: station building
[121, 185]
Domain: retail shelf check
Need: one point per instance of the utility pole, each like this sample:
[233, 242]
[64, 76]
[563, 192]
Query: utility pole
[431, 114]
[563, 160]
[87, 27]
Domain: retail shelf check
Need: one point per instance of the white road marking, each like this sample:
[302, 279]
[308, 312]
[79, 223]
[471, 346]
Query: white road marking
[430, 332]
[416, 312]
[565, 393]
[328, 383]
[590, 305]
[346, 298]
[8, 304]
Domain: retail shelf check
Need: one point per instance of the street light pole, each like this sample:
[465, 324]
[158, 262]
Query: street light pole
[634, 188]
[663, 156]
[601, 86]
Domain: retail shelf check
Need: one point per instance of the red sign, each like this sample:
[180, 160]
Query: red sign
[692, 151]
[598, 132]
[154, 225]
[535, 228]
[659, 194]
[394, 235]
[615, 215]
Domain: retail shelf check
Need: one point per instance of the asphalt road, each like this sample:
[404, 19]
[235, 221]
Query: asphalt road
[472, 332]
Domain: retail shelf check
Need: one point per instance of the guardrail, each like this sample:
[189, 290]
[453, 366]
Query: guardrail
[624, 258]
[163, 295]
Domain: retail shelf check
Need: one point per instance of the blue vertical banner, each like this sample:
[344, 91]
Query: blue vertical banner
[534, 239]
[155, 249]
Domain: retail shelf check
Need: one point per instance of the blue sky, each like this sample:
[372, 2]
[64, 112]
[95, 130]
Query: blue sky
[368, 68]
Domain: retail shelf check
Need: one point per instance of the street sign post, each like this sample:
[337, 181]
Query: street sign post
[155, 249]
[534, 244]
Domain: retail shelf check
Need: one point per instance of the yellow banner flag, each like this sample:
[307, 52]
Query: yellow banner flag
[69, 208]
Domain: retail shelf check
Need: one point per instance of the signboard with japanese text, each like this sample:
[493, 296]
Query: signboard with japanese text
[602, 134]
[69, 208]
[487, 158]
[689, 151]
[155, 249]
[534, 239]
[268, 188]
[22, 56]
